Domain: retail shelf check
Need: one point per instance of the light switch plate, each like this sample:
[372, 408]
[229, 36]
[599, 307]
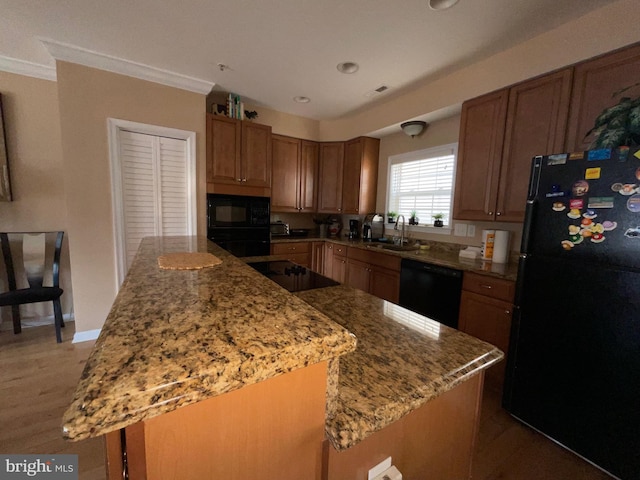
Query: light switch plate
[471, 230]
[460, 230]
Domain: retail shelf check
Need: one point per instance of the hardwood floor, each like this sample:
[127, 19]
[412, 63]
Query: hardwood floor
[38, 377]
[507, 449]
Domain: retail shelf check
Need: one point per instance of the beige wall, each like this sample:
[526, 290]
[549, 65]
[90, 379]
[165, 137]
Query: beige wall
[35, 157]
[87, 98]
[610, 27]
[438, 133]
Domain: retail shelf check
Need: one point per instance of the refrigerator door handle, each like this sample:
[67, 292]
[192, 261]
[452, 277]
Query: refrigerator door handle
[532, 205]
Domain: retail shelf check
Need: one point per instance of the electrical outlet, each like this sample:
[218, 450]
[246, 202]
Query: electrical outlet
[471, 230]
[378, 469]
[460, 230]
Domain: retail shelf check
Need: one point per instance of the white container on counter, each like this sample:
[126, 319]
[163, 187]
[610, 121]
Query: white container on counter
[501, 246]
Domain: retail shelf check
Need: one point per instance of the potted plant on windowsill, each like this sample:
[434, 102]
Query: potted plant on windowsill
[391, 216]
[437, 220]
[413, 219]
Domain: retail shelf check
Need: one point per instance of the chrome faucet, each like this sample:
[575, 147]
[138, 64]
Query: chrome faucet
[402, 230]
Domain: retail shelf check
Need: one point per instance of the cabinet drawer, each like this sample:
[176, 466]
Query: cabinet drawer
[303, 259]
[489, 286]
[290, 247]
[383, 260]
[339, 250]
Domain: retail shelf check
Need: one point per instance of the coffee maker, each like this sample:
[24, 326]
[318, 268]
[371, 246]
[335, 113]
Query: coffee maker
[354, 229]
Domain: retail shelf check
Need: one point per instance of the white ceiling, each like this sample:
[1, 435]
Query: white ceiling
[278, 49]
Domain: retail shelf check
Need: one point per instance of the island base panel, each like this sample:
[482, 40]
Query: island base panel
[432, 442]
[271, 429]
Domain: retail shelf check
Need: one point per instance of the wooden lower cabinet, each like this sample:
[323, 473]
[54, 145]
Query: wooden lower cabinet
[339, 268]
[296, 252]
[375, 273]
[335, 261]
[317, 257]
[486, 308]
[271, 429]
[435, 441]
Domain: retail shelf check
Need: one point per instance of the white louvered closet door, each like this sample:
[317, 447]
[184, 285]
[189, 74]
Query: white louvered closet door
[155, 190]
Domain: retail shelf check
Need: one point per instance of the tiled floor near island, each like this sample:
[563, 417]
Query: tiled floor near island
[38, 377]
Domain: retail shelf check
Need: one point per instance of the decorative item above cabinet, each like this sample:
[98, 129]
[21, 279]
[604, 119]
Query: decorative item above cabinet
[238, 157]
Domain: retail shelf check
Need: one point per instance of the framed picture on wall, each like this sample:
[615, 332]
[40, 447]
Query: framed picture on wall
[5, 178]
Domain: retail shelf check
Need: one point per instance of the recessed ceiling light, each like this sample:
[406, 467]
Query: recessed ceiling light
[441, 4]
[348, 67]
[300, 99]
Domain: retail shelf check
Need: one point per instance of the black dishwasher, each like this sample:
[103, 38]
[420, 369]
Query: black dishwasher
[431, 290]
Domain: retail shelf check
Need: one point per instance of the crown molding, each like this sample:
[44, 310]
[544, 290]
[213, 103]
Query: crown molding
[89, 58]
[30, 69]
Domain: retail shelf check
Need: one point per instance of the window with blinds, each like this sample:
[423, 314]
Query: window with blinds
[155, 189]
[422, 181]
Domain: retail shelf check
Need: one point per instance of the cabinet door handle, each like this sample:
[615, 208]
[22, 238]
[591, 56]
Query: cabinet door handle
[490, 213]
[507, 312]
[244, 179]
[339, 209]
[498, 213]
[239, 179]
[484, 285]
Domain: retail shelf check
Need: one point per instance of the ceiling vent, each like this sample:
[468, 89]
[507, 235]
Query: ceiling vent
[377, 91]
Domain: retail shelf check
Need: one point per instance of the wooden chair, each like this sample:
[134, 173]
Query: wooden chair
[37, 291]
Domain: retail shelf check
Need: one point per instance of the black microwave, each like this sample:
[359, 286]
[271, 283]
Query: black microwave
[237, 211]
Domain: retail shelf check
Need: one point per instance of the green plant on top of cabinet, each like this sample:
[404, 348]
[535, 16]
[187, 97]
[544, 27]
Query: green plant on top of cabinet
[595, 82]
[294, 174]
[238, 156]
[499, 135]
[348, 176]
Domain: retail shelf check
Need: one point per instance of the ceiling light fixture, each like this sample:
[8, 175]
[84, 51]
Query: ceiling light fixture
[413, 128]
[441, 4]
[301, 99]
[348, 67]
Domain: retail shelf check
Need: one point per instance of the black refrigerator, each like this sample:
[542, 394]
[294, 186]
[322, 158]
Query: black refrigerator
[573, 368]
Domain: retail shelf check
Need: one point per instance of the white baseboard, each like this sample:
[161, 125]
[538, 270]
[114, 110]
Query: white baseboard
[86, 336]
[28, 322]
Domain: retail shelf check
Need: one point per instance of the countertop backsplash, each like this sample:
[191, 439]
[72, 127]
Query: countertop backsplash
[306, 220]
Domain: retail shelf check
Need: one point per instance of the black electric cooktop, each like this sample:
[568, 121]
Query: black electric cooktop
[294, 278]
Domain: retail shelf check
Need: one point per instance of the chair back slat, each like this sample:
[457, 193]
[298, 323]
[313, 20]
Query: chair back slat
[56, 259]
[8, 261]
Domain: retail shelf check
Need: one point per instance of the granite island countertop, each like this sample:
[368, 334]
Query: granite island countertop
[177, 337]
[438, 253]
[402, 361]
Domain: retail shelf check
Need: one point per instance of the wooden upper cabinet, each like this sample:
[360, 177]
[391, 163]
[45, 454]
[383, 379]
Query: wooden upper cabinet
[224, 144]
[256, 154]
[295, 173]
[238, 156]
[499, 135]
[479, 153]
[330, 182]
[536, 124]
[310, 155]
[360, 175]
[285, 159]
[594, 84]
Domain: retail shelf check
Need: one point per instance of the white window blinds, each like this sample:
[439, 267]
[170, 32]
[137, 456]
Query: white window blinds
[422, 181]
[154, 188]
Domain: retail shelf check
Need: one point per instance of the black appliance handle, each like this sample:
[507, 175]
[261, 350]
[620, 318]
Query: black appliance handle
[532, 205]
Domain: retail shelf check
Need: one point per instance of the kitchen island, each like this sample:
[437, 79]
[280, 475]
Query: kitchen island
[220, 373]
